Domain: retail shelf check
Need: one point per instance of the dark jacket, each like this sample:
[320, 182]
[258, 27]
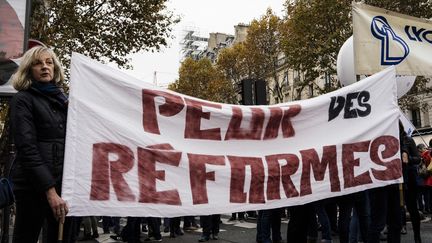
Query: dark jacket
[410, 147]
[38, 124]
[410, 170]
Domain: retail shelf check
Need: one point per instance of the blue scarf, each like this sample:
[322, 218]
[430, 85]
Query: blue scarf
[51, 90]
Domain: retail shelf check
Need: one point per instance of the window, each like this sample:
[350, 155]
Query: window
[285, 78]
[416, 117]
[296, 75]
[311, 90]
[327, 81]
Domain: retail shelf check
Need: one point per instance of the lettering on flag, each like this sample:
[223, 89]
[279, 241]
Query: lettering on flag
[383, 38]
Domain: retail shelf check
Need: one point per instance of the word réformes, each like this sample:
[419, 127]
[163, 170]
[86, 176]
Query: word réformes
[110, 173]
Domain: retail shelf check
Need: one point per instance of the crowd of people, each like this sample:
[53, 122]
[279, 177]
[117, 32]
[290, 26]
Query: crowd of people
[38, 118]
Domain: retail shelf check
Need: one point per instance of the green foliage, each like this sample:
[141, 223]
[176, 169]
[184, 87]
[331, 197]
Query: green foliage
[314, 31]
[417, 97]
[416, 8]
[4, 106]
[232, 62]
[202, 80]
[4, 134]
[103, 30]
[263, 48]
[262, 45]
[312, 34]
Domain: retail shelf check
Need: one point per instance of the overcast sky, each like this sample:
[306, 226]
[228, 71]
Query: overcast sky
[204, 16]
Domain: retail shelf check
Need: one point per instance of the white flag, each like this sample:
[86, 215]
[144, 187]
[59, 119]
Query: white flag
[383, 38]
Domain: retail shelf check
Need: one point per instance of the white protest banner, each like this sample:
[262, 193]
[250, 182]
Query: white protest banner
[133, 149]
[383, 38]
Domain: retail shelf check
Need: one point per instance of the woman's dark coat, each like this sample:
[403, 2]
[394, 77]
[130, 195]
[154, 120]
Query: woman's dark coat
[38, 124]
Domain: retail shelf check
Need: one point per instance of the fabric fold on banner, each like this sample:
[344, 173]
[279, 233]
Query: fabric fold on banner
[134, 149]
[383, 38]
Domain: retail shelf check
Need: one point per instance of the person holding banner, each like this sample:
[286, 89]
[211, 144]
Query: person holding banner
[210, 226]
[410, 189]
[423, 199]
[38, 123]
[385, 206]
[427, 189]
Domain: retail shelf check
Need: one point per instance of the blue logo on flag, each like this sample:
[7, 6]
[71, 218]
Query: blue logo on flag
[382, 31]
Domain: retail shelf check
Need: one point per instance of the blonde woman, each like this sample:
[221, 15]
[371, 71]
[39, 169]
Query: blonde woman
[38, 122]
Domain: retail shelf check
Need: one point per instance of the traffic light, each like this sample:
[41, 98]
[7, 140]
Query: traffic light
[246, 92]
[260, 92]
[253, 92]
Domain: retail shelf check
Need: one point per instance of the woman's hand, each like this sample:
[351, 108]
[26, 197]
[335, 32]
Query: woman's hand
[57, 204]
[404, 157]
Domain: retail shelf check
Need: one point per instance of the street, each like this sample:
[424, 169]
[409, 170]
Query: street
[245, 232]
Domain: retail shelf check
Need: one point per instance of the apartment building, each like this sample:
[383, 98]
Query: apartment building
[196, 46]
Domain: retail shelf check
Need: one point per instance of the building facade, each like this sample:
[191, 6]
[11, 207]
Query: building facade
[290, 80]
